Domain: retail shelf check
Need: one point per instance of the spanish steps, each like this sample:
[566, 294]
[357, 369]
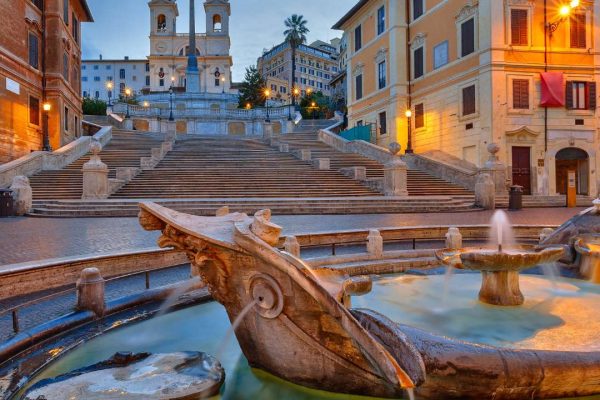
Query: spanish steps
[203, 173]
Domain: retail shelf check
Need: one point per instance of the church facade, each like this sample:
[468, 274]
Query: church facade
[169, 50]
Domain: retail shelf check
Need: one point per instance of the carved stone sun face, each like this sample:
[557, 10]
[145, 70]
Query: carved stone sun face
[160, 47]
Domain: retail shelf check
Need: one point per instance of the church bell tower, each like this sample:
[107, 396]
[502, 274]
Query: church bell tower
[217, 17]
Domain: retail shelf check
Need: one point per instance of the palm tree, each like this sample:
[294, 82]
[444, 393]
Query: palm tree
[295, 35]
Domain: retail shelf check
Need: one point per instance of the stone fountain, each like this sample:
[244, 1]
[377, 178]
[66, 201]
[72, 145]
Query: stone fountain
[296, 323]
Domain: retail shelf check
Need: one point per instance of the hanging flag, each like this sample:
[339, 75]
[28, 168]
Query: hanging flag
[553, 89]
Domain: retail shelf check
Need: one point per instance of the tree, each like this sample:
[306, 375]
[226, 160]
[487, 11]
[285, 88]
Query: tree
[295, 35]
[252, 88]
[93, 106]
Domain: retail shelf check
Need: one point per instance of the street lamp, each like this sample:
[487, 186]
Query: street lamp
[293, 94]
[223, 83]
[46, 139]
[408, 114]
[109, 87]
[127, 94]
[171, 118]
[564, 11]
[313, 105]
[267, 95]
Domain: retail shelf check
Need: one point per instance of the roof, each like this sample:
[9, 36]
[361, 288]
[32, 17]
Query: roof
[114, 61]
[350, 14]
[88, 13]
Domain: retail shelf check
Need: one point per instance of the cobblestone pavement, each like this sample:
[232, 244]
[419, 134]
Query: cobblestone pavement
[32, 239]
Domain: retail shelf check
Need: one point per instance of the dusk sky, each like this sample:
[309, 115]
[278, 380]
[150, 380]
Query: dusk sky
[121, 27]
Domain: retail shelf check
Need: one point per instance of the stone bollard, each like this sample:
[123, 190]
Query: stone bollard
[292, 246]
[289, 127]
[284, 148]
[359, 173]
[171, 128]
[305, 154]
[453, 239]
[128, 124]
[545, 234]
[22, 195]
[323, 164]
[375, 243]
[485, 192]
[267, 130]
[395, 174]
[495, 169]
[95, 175]
[221, 212]
[90, 291]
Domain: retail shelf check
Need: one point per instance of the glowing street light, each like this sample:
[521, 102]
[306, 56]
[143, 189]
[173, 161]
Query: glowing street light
[574, 3]
[408, 114]
[109, 87]
[564, 10]
[267, 95]
[45, 137]
[223, 83]
[127, 94]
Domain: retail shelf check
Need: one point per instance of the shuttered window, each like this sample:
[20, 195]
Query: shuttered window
[358, 38]
[418, 63]
[467, 37]
[578, 33]
[581, 95]
[66, 11]
[359, 87]
[417, 8]
[65, 71]
[520, 94]
[419, 116]
[34, 51]
[468, 100]
[382, 123]
[34, 110]
[519, 30]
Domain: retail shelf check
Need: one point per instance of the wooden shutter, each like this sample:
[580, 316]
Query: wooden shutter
[578, 31]
[417, 8]
[418, 63]
[520, 94]
[467, 37]
[468, 97]
[518, 27]
[419, 116]
[591, 95]
[34, 51]
[569, 96]
[359, 89]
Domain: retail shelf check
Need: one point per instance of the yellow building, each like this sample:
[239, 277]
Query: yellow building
[519, 73]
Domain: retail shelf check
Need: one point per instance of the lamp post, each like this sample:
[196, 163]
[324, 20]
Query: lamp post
[267, 95]
[223, 83]
[109, 87]
[171, 118]
[45, 137]
[127, 94]
[294, 93]
[408, 114]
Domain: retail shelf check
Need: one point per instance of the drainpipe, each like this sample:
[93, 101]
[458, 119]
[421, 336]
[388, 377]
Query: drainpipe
[45, 127]
[545, 70]
[409, 149]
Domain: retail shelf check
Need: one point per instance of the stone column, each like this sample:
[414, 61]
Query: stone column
[267, 130]
[485, 192]
[192, 73]
[395, 174]
[95, 175]
[22, 195]
[90, 291]
[495, 169]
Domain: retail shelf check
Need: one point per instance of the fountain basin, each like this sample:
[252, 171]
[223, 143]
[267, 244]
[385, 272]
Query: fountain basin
[588, 249]
[500, 269]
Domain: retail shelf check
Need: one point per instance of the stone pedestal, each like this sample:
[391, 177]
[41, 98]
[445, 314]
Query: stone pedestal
[172, 127]
[292, 246]
[305, 154]
[485, 192]
[289, 127]
[356, 173]
[284, 148]
[495, 169]
[395, 176]
[90, 291]
[323, 164]
[501, 288]
[22, 195]
[192, 80]
[375, 243]
[453, 239]
[267, 130]
[95, 176]
[128, 124]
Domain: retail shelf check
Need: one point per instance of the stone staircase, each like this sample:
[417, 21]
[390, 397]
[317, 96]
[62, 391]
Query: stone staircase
[124, 150]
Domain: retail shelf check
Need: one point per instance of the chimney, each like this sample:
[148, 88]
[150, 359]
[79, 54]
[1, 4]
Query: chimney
[100, 56]
[126, 58]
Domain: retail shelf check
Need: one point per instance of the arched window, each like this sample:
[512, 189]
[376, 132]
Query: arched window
[161, 23]
[122, 88]
[184, 51]
[217, 25]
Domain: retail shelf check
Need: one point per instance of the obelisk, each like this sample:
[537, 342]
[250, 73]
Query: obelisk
[192, 83]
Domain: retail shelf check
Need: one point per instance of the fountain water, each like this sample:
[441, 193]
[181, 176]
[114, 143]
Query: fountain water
[501, 233]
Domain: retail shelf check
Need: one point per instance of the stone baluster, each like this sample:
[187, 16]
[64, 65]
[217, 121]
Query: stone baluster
[495, 169]
[485, 193]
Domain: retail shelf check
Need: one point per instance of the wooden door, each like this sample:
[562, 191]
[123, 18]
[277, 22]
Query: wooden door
[521, 168]
[562, 174]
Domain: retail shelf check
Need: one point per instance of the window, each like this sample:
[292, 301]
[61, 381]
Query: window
[39, 4]
[417, 8]
[109, 78]
[382, 123]
[520, 94]
[578, 32]
[85, 94]
[382, 75]
[75, 28]
[147, 80]
[34, 50]
[96, 67]
[134, 78]
[147, 67]
[359, 88]
[161, 23]
[83, 67]
[359, 123]
[440, 55]
[66, 119]
[468, 100]
[419, 116]
[84, 78]
[161, 83]
[96, 79]
[380, 20]
[66, 11]
[418, 63]
[217, 25]
[581, 96]
[122, 73]
[519, 30]
[97, 95]
[108, 67]
[358, 38]
[34, 111]
[76, 126]
[467, 37]
[65, 71]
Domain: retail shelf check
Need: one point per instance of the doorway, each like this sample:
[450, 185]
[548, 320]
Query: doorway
[521, 168]
[572, 159]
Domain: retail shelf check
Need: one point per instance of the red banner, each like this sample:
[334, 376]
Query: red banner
[553, 89]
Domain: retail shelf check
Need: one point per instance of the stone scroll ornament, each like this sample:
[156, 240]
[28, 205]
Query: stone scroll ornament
[304, 332]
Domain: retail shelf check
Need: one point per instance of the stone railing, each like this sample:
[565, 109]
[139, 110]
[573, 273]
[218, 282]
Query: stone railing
[361, 147]
[462, 175]
[40, 160]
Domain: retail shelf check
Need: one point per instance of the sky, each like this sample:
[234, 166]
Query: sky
[122, 27]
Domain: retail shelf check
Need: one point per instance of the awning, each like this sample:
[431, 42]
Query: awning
[553, 89]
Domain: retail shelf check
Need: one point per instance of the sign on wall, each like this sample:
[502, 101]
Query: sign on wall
[13, 86]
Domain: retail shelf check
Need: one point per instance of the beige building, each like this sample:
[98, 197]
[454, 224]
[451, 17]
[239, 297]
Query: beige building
[316, 64]
[519, 73]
